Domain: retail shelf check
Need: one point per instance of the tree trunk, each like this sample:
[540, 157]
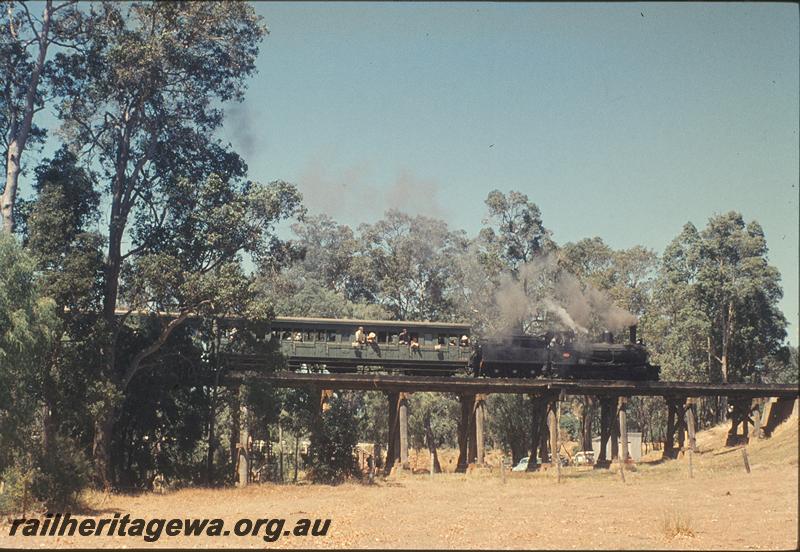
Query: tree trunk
[48, 427]
[212, 415]
[234, 451]
[20, 130]
[586, 424]
[437, 468]
[9, 197]
[211, 438]
[296, 456]
[726, 340]
[726, 343]
[101, 447]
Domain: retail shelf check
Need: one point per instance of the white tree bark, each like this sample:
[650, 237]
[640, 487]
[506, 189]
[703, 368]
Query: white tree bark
[21, 128]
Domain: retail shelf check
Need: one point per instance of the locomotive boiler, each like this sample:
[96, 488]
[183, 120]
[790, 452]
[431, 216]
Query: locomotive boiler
[563, 355]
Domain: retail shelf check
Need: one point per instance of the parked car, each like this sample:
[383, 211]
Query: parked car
[522, 465]
[583, 457]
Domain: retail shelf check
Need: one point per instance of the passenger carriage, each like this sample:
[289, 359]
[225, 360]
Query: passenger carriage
[324, 344]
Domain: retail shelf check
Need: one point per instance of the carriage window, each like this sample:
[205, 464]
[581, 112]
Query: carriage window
[394, 338]
[309, 336]
[332, 336]
[429, 338]
[383, 337]
[286, 336]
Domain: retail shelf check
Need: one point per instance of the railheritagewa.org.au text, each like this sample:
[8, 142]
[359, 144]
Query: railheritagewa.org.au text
[269, 529]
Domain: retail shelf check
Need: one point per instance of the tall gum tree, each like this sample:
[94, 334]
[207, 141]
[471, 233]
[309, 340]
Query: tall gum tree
[26, 41]
[141, 101]
[715, 314]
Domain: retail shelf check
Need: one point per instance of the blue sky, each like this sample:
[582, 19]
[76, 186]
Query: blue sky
[622, 121]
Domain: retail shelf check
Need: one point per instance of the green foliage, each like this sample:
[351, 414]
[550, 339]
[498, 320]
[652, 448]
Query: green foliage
[62, 473]
[333, 439]
[781, 367]
[332, 256]
[439, 412]
[572, 425]
[515, 234]
[509, 424]
[28, 328]
[715, 314]
[625, 275]
[374, 418]
[410, 261]
[17, 479]
[50, 478]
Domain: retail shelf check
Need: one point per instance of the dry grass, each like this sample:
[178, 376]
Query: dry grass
[675, 524]
[657, 507]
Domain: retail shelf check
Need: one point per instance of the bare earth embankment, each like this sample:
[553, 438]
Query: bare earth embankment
[658, 506]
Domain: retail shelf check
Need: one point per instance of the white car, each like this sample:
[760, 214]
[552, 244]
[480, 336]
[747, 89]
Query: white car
[522, 465]
[583, 457]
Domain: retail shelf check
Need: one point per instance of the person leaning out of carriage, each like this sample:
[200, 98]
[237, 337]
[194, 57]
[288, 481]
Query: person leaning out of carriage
[402, 338]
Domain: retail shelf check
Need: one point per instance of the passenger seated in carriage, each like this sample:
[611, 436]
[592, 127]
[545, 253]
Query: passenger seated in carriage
[360, 335]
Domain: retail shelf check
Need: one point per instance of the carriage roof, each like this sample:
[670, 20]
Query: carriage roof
[286, 321]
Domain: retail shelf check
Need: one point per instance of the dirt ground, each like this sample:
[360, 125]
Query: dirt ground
[657, 507]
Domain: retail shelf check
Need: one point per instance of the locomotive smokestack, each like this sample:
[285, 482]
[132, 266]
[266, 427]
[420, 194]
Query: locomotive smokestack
[633, 333]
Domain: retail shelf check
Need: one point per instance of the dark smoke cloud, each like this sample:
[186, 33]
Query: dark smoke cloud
[238, 123]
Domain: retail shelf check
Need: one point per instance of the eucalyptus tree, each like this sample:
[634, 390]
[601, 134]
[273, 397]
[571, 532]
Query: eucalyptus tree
[26, 42]
[332, 254]
[141, 101]
[717, 299]
[58, 231]
[513, 231]
[411, 260]
[28, 327]
[715, 314]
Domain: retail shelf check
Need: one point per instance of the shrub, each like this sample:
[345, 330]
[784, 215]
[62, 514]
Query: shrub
[62, 473]
[674, 524]
[16, 482]
[332, 442]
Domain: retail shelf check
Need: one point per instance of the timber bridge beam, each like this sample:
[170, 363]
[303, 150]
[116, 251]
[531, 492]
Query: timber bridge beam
[387, 383]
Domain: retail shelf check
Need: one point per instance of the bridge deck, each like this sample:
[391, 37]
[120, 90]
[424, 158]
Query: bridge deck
[486, 385]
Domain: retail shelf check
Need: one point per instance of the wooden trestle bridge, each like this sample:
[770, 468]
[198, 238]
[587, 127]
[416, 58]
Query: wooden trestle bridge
[746, 401]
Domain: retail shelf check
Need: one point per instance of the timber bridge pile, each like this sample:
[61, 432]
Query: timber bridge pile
[747, 401]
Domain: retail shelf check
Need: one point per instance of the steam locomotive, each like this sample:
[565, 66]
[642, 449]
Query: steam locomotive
[563, 355]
